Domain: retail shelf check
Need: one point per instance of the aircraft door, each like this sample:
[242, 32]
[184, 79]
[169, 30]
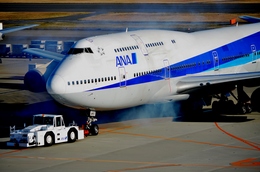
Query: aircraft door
[253, 49]
[122, 76]
[215, 60]
[167, 69]
[140, 44]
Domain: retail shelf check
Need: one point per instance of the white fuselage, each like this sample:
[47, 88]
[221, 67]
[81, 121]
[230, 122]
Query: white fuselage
[128, 69]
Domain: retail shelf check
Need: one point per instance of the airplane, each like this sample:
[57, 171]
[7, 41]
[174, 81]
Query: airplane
[132, 68]
[13, 29]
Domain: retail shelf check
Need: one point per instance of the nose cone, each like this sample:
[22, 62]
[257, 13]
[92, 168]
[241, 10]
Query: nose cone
[56, 85]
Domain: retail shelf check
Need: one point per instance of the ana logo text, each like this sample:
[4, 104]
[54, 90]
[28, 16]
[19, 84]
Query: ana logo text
[126, 60]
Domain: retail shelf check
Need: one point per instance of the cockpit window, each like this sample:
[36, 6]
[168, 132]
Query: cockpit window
[79, 50]
[88, 50]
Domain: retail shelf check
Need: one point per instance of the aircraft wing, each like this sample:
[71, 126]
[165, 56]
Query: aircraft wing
[44, 54]
[190, 84]
[13, 29]
[250, 19]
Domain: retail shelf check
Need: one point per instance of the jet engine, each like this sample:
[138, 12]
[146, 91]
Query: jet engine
[36, 78]
[2, 36]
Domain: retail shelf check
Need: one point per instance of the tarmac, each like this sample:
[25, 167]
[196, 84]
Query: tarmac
[156, 144]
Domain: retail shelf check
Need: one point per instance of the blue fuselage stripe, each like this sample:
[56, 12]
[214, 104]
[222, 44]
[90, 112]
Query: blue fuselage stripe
[229, 55]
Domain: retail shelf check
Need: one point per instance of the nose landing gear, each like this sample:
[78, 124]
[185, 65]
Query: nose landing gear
[90, 128]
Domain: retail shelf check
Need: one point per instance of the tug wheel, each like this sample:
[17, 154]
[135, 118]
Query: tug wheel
[72, 135]
[48, 139]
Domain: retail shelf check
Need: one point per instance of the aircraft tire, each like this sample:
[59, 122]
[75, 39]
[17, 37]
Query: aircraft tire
[241, 109]
[94, 129]
[215, 107]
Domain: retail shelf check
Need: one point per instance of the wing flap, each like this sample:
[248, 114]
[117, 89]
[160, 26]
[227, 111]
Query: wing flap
[196, 82]
[44, 54]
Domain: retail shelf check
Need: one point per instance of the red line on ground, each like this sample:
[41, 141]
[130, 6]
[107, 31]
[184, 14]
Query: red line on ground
[237, 138]
[14, 151]
[246, 162]
[178, 139]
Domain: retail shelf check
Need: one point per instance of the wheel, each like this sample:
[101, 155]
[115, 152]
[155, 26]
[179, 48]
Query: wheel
[248, 108]
[48, 139]
[230, 107]
[72, 135]
[215, 107]
[241, 109]
[94, 129]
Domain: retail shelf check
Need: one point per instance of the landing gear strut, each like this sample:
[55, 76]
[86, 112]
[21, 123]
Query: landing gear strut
[244, 103]
[224, 105]
[90, 128]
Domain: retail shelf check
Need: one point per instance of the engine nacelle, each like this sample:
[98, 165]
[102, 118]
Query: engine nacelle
[35, 79]
[2, 36]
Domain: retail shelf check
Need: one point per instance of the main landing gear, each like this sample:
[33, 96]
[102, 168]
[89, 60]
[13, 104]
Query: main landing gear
[224, 105]
[90, 128]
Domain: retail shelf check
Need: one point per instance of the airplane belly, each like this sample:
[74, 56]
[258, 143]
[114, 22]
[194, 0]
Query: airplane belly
[116, 98]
